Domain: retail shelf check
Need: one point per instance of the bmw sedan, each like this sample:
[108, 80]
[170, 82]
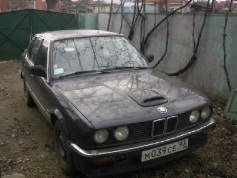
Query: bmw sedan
[110, 113]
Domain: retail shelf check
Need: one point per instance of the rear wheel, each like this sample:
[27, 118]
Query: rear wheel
[27, 97]
[62, 149]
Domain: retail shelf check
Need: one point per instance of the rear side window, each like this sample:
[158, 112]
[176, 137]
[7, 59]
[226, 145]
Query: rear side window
[34, 48]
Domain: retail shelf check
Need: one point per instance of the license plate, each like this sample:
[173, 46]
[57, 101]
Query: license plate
[164, 150]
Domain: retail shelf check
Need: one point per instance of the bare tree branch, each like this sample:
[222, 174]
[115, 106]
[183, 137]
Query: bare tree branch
[143, 27]
[110, 13]
[118, 8]
[135, 18]
[194, 26]
[224, 47]
[122, 13]
[213, 6]
[194, 56]
[144, 43]
[167, 36]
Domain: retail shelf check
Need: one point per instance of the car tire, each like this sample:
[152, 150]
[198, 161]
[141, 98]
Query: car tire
[62, 150]
[27, 97]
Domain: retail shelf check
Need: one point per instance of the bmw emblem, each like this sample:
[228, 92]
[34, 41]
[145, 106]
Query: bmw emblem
[162, 109]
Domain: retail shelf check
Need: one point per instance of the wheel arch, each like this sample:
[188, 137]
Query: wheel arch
[56, 115]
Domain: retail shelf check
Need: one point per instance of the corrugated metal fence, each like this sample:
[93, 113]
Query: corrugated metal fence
[17, 27]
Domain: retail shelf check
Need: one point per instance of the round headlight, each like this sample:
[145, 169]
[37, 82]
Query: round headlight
[194, 116]
[101, 136]
[121, 133]
[206, 112]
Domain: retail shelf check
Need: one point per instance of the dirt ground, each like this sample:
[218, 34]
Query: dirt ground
[26, 141]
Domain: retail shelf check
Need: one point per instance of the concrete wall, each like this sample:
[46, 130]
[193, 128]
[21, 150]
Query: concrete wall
[207, 73]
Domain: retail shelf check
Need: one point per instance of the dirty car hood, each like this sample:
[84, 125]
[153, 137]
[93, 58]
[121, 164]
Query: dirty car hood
[113, 99]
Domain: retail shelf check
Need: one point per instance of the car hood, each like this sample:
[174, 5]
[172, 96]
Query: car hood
[122, 98]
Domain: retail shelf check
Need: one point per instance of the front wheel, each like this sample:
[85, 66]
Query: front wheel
[62, 150]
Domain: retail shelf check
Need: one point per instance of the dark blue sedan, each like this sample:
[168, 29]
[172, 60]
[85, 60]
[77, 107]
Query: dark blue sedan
[110, 113]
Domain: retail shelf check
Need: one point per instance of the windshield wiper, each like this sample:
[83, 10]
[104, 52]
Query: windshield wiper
[100, 71]
[81, 72]
[121, 68]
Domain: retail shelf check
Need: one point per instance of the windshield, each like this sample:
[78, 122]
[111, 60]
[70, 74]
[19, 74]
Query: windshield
[94, 54]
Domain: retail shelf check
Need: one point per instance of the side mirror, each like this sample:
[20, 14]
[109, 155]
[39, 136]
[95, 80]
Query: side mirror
[38, 70]
[149, 57]
[25, 51]
[23, 54]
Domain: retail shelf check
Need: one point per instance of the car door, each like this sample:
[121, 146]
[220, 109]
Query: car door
[28, 62]
[41, 86]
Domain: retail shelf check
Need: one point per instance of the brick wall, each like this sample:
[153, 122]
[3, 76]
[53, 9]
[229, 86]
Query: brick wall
[40, 4]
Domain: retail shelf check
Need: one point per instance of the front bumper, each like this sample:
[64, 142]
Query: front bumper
[127, 158]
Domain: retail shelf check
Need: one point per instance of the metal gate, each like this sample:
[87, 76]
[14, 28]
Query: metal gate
[17, 27]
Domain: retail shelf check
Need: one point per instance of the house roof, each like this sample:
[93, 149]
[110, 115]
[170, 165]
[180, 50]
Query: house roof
[79, 8]
[163, 1]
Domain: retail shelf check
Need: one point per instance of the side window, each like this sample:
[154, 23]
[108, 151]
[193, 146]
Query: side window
[34, 49]
[42, 54]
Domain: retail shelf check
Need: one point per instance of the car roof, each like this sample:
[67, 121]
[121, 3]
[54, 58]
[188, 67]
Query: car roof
[67, 34]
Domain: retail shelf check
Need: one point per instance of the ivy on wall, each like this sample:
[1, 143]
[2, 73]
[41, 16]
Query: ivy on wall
[140, 13]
